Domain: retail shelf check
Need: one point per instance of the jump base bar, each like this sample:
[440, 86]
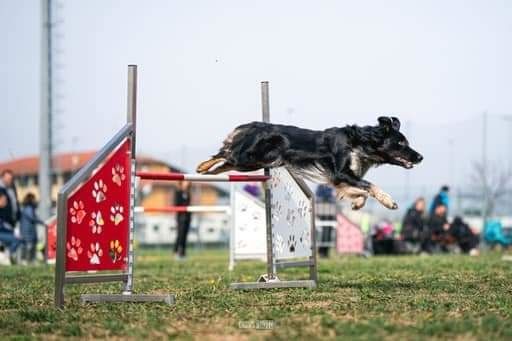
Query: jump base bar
[108, 298]
[271, 285]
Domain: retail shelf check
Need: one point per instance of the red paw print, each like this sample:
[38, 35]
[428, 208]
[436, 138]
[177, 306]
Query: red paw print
[97, 222]
[115, 250]
[117, 214]
[99, 191]
[95, 253]
[77, 212]
[118, 174]
[74, 248]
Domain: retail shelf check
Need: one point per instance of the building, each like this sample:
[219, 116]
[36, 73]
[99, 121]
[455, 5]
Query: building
[150, 193]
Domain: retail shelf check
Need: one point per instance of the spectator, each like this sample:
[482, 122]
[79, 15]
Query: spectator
[28, 222]
[438, 227]
[383, 238]
[7, 234]
[413, 226]
[464, 236]
[324, 193]
[10, 213]
[441, 198]
[182, 198]
[325, 211]
[253, 190]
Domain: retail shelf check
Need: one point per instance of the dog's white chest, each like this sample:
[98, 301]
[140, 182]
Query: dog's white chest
[357, 165]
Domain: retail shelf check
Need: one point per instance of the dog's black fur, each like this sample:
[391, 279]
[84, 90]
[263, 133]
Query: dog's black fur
[338, 156]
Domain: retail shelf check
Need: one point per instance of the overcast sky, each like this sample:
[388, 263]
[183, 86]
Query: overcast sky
[436, 64]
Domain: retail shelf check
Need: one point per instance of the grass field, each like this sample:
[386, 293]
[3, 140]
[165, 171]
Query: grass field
[396, 298]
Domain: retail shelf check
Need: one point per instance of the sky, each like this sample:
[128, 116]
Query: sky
[437, 65]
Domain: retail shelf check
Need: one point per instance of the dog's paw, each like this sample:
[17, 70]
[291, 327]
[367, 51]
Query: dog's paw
[389, 203]
[358, 203]
[385, 199]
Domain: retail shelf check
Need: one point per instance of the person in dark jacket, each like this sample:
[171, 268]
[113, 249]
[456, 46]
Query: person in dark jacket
[413, 226]
[464, 236]
[182, 198]
[438, 227]
[28, 223]
[10, 213]
[7, 237]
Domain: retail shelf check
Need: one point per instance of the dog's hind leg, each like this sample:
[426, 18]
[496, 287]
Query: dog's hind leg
[221, 168]
[205, 166]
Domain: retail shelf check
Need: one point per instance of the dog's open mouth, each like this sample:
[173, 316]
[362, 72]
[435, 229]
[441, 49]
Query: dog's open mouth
[404, 163]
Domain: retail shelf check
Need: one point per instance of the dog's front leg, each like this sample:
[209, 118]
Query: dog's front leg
[347, 182]
[382, 197]
[358, 190]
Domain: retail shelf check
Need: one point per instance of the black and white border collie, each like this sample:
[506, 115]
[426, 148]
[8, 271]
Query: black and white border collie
[337, 156]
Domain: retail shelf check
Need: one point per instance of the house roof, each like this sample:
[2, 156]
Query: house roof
[66, 162]
[71, 162]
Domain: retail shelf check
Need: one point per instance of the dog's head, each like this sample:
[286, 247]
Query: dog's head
[392, 146]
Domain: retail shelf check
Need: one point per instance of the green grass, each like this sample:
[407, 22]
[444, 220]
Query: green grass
[455, 297]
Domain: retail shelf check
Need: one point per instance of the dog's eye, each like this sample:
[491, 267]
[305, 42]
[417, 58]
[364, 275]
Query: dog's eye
[402, 143]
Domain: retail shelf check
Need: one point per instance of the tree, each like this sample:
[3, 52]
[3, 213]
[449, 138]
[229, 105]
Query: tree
[492, 181]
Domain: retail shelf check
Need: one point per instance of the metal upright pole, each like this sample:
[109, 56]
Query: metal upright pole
[233, 224]
[45, 123]
[484, 169]
[265, 108]
[132, 118]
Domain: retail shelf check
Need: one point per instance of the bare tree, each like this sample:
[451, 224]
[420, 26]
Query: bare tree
[492, 181]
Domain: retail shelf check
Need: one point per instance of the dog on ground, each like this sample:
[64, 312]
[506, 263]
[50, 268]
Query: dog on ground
[337, 156]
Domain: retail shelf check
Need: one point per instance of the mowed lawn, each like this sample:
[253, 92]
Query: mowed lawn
[396, 298]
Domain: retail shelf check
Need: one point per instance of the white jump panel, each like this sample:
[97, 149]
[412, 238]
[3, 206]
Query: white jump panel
[291, 217]
[248, 227]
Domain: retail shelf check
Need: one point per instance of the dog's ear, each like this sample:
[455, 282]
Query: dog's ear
[395, 123]
[389, 123]
[385, 122]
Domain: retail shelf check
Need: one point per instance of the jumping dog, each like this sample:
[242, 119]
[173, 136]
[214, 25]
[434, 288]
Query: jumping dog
[337, 156]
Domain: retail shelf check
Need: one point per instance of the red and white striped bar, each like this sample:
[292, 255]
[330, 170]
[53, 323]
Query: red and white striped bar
[179, 209]
[202, 178]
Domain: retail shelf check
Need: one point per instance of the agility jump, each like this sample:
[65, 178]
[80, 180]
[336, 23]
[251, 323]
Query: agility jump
[96, 209]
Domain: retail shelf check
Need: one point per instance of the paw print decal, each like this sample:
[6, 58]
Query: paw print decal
[115, 250]
[118, 174]
[97, 222]
[99, 191]
[292, 243]
[278, 243]
[117, 214]
[77, 212]
[74, 248]
[291, 217]
[95, 253]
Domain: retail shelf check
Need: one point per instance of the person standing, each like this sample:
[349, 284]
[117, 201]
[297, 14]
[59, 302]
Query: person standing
[7, 237]
[182, 198]
[10, 213]
[28, 222]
